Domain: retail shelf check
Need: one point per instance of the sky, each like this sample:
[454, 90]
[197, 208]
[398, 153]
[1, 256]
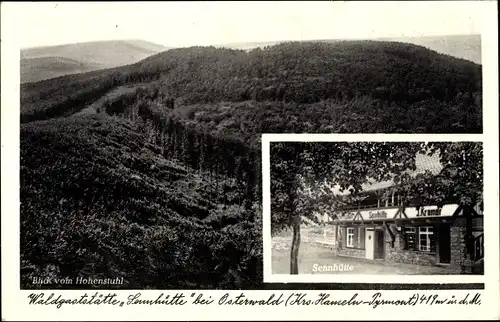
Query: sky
[180, 24]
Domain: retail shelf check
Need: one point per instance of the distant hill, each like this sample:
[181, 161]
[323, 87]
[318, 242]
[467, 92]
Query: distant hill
[460, 46]
[41, 68]
[250, 45]
[42, 63]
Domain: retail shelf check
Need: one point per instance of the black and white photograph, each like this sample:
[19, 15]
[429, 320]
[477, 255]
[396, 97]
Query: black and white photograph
[377, 208]
[140, 160]
[133, 155]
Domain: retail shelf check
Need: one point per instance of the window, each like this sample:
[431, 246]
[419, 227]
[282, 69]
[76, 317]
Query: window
[355, 237]
[422, 241]
[410, 238]
[426, 239]
[350, 237]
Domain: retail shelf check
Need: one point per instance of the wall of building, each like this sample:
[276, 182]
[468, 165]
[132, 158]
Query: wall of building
[341, 248]
[351, 252]
[399, 255]
[458, 248]
[459, 259]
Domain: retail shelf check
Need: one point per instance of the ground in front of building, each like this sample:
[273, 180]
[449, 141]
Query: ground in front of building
[316, 259]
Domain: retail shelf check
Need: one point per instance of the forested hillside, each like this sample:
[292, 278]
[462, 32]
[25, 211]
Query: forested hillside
[161, 184]
[460, 46]
[388, 76]
[101, 198]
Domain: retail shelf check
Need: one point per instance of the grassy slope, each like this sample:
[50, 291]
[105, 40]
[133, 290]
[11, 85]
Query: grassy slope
[48, 62]
[40, 68]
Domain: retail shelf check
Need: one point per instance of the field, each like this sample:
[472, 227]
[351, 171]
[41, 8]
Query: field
[41, 63]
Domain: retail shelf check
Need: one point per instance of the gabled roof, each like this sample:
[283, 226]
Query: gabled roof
[430, 163]
[423, 163]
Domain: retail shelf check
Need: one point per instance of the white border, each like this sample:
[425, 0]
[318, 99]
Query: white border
[14, 301]
[489, 224]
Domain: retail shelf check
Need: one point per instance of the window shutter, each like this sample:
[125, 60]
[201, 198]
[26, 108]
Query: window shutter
[361, 243]
[344, 236]
[355, 237]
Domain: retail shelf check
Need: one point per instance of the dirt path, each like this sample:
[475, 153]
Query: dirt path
[112, 94]
[314, 259]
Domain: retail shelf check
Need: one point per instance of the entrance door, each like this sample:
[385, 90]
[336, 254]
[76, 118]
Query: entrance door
[379, 244]
[444, 244]
[369, 242]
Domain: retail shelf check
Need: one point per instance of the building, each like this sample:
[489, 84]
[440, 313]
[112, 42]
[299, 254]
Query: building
[379, 228]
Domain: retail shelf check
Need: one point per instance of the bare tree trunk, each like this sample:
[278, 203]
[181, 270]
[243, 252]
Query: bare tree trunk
[294, 255]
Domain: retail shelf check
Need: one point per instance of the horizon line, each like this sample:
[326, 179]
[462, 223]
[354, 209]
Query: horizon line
[244, 42]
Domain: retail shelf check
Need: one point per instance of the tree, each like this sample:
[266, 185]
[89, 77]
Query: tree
[460, 180]
[303, 173]
[295, 165]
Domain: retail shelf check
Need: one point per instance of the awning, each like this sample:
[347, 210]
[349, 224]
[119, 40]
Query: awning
[392, 214]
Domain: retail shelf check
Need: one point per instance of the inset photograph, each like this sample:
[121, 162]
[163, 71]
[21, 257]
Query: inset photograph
[139, 149]
[376, 208]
